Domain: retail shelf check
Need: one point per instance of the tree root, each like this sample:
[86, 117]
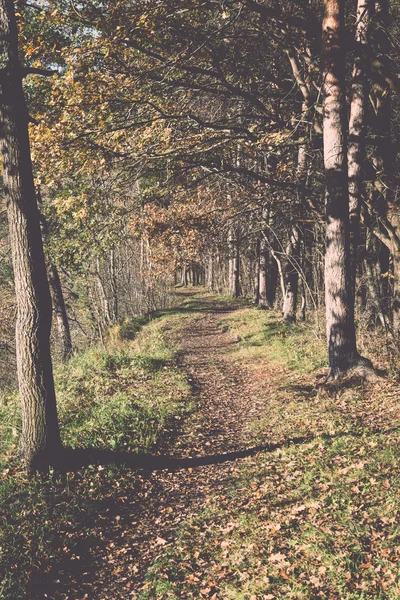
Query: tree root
[361, 370]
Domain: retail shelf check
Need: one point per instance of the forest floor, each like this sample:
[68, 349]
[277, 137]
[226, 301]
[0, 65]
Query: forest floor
[270, 485]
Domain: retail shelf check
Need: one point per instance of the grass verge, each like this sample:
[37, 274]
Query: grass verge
[129, 396]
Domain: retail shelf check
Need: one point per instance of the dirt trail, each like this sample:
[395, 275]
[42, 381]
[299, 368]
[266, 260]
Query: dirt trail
[148, 518]
[225, 408]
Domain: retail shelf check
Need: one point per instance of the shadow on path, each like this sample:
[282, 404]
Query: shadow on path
[75, 459]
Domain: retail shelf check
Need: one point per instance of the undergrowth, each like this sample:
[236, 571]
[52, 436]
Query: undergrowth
[315, 515]
[130, 396]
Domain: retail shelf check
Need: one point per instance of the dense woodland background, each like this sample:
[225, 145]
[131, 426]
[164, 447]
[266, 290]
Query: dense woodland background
[199, 299]
[182, 143]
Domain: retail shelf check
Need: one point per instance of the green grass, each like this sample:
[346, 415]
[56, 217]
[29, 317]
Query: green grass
[129, 396]
[303, 522]
[315, 516]
[120, 398]
[263, 336]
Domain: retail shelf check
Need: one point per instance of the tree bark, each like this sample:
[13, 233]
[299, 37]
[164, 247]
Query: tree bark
[40, 442]
[339, 303]
[279, 271]
[272, 281]
[234, 265]
[383, 199]
[263, 301]
[291, 276]
[210, 272]
[103, 295]
[357, 127]
[256, 275]
[114, 286]
[396, 291]
[295, 237]
[56, 292]
[373, 270]
[60, 312]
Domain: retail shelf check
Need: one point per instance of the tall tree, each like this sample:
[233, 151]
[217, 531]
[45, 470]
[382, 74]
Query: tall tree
[40, 439]
[234, 262]
[341, 336]
[296, 234]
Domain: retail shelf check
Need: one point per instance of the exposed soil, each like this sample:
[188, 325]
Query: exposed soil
[146, 518]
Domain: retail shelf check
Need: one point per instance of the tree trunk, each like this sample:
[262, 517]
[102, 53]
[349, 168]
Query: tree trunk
[256, 276]
[210, 273]
[272, 282]
[219, 272]
[40, 440]
[373, 270]
[263, 301]
[396, 292]
[60, 312]
[56, 292]
[303, 307]
[114, 286]
[234, 265]
[357, 127]
[291, 276]
[339, 302]
[279, 271]
[103, 295]
[295, 237]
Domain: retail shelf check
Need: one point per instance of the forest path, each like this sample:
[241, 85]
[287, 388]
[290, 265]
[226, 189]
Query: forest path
[147, 517]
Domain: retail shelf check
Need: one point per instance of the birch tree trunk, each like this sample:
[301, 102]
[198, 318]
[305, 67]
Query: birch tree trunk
[263, 301]
[256, 275]
[40, 442]
[341, 337]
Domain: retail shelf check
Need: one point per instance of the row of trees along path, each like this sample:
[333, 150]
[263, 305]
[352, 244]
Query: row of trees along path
[343, 157]
[134, 529]
[226, 393]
